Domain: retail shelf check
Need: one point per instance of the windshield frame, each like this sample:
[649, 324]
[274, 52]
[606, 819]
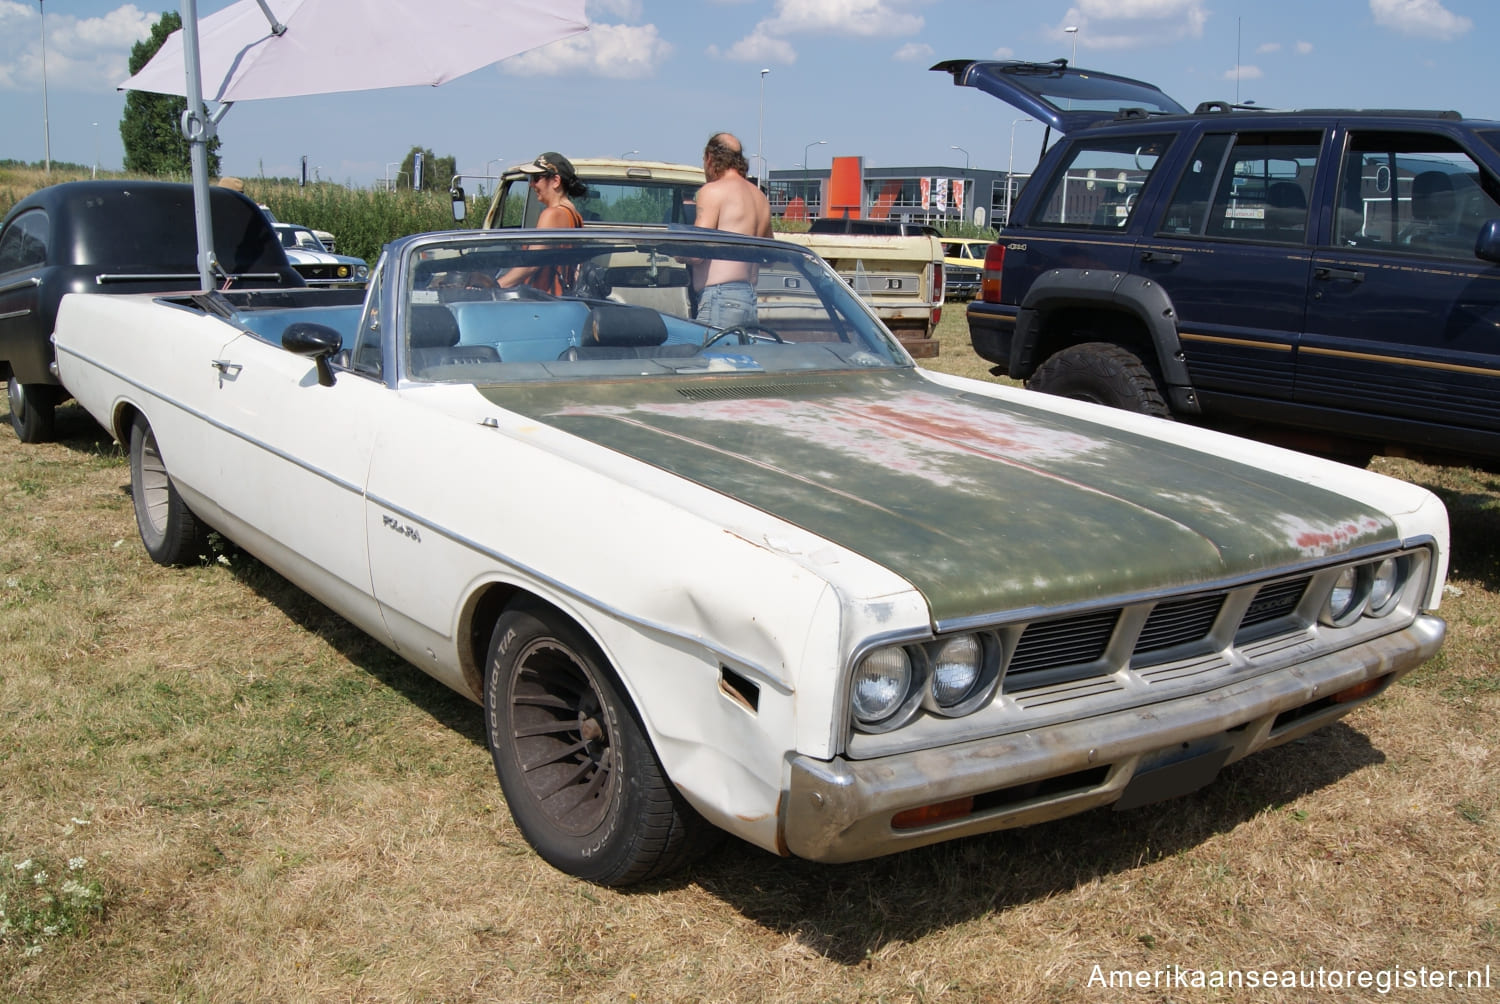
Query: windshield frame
[825, 325]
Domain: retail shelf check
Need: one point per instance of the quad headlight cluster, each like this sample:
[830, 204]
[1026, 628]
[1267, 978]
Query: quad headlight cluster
[951, 676]
[1372, 589]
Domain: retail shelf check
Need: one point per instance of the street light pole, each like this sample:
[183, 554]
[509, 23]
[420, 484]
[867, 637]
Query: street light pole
[46, 128]
[760, 136]
[627, 154]
[96, 151]
[1010, 167]
[1072, 29]
[964, 152]
[806, 173]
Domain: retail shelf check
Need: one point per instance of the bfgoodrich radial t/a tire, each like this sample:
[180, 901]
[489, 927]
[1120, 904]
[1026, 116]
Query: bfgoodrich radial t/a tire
[169, 530]
[579, 775]
[1103, 373]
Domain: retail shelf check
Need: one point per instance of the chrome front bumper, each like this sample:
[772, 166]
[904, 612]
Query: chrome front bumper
[841, 810]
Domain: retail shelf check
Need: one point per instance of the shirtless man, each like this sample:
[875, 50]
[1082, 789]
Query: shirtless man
[728, 202]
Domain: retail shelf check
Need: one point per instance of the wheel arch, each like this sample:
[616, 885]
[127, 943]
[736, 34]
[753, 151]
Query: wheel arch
[482, 612]
[1122, 305]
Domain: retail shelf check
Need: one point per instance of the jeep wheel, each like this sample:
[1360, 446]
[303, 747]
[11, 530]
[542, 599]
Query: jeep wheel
[1104, 374]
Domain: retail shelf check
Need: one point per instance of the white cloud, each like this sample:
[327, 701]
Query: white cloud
[844, 17]
[913, 51]
[1304, 48]
[618, 51]
[1420, 17]
[769, 40]
[1004, 52]
[83, 54]
[1269, 47]
[1243, 73]
[758, 47]
[1130, 24]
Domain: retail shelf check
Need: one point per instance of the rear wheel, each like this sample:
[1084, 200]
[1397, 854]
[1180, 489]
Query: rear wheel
[169, 530]
[1104, 374]
[579, 775]
[32, 410]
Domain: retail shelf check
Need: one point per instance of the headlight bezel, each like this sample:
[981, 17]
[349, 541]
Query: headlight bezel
[986, 678]
[1375, 588]
[910, 701]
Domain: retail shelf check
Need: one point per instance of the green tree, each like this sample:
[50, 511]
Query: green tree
[437, 172]
[150, 128]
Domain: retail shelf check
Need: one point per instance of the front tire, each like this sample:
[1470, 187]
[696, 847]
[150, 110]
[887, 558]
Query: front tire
[579, 775]
[32, 410]
[170, 532]
[1103, 373]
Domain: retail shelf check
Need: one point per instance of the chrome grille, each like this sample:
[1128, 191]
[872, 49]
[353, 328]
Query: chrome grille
[1179, 622]
[1277, 599]
[1048, 645]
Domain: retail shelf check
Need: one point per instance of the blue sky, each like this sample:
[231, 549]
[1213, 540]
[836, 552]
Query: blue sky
[657, 76]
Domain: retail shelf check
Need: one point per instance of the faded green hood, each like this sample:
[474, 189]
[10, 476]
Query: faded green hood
[982, 505]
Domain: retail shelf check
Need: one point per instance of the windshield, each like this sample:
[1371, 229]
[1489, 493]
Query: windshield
[292, 237]
[566, 305]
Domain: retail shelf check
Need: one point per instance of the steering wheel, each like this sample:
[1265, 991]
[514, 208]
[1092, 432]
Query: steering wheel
[747, 334]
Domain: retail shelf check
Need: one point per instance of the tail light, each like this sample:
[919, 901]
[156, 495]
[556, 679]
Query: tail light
[936, 295]
[994, 263]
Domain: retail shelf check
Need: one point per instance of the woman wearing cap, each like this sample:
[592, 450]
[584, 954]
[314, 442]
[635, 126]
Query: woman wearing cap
[556, 185]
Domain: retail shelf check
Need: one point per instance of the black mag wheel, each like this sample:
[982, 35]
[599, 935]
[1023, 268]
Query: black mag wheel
[32, 410]
[1103, 373]
[579, 775]
[170, 531]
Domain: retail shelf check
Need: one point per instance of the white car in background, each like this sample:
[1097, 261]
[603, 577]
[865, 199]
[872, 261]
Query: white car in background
[315, 263]
[324, 237]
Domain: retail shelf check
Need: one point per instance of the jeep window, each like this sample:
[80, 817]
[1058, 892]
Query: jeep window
[1260, 183]
[1099, 184]
[1411, 192]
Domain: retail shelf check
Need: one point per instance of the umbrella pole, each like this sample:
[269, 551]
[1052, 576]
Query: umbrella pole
[198, 129]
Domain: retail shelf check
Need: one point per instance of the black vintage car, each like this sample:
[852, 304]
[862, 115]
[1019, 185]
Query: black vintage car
[110, 237]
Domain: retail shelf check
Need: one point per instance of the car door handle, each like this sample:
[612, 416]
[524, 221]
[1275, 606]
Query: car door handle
[1328, 274]
[227, 370]
[1170, 257]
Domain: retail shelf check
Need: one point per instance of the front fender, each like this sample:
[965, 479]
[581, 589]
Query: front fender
[1138, 296]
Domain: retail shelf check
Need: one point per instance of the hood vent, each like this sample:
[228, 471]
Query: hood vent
[739, 391]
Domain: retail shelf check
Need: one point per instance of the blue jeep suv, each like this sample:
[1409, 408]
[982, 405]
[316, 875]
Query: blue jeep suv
[1328, 279]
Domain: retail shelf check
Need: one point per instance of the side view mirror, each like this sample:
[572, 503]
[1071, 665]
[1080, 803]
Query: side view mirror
[317, 342]
[1487, 244]
[460, 205]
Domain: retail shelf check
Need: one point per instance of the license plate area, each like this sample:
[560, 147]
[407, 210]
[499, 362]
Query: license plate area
[1172, 773]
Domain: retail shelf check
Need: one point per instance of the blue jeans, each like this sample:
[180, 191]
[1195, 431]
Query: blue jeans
[725, 304]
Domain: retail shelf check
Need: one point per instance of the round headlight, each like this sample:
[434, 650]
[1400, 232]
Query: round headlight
[1346, 599]
[1385, 587]
[881, 684]
[956, 668]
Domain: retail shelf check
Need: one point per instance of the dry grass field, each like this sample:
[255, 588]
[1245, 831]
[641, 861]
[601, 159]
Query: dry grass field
[212, 789]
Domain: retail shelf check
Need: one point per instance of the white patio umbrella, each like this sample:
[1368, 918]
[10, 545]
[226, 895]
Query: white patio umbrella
[257, 49]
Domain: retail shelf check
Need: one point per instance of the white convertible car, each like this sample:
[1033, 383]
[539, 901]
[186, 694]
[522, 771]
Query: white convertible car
[771, 576]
